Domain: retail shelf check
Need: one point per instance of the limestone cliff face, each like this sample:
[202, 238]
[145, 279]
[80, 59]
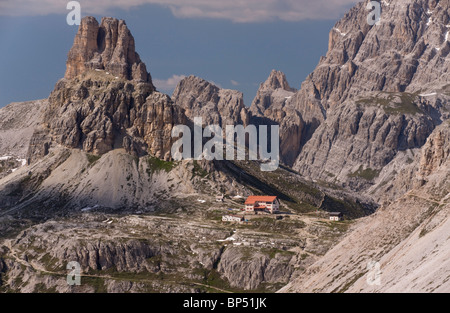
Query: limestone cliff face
[436, 151]
[272, 94]
[99, 113]
[18, 122]
[408, 237]
[407, 52]
[216, 106]
[107, 100]
[272, 105]
[358, 140]
[108, 46]
[380, 90]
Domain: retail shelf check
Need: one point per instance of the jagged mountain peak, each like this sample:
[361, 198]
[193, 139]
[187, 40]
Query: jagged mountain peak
[407, 51]
[107, 100]
[108, 46]
[272, 94]
[277, 80]
[389, 80]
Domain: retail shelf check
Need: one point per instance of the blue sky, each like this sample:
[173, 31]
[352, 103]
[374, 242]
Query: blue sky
[236, 49]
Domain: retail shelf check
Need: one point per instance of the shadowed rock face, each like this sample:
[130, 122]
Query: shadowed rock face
[272, 106]
[108, 46]
[98, 114]
[379, 90]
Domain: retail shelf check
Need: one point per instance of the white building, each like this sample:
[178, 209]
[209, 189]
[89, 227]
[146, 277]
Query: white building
[232, 218]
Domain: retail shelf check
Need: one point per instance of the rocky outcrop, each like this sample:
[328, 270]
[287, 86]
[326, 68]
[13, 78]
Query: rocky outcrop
[248, 269]
[271, 106]
[108, 46]
[436, 151]
[166, 254]
[400, 68]
[216, 106]
[272, 95]
[392, 56]
[409, 56]
[107, 99]
[408, 237]
[98, 113]
[18, 121]
[359, 139]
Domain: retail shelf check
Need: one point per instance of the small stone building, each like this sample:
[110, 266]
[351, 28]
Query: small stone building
[336, 216]
[233, 218]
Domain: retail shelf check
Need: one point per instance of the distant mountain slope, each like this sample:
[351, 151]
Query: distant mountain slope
[378, 94]
[409, 237]
[385, 90]
[18, 121]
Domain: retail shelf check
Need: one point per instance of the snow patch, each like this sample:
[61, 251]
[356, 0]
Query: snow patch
[339, 31]
[428, 94]
[87, 209]
[228, 239]
[23, 162]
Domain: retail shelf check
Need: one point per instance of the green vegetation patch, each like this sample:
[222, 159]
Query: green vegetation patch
[367, 174]
[267, 224]
[272, 252]
[198, 170]
[92, 159]
[156, 165]
[42, 288]
[394, 102]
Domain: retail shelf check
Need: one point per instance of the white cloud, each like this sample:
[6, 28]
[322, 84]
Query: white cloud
[168, 84]
[240, 11]
[234, 83]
